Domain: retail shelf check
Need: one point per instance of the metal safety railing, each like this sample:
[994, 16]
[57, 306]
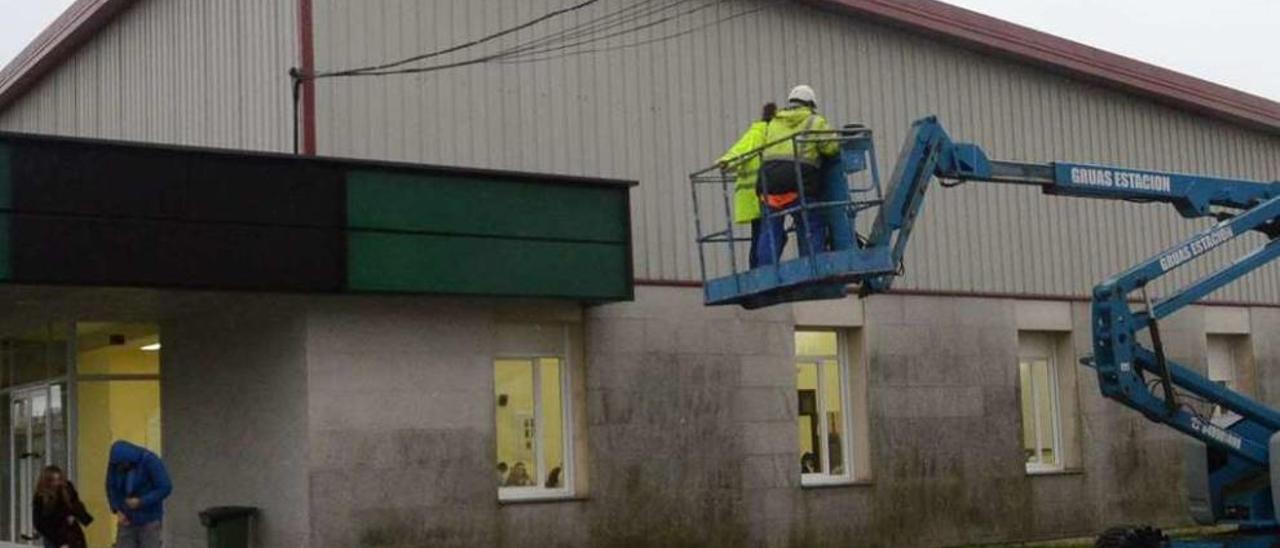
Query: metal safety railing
[826, 200]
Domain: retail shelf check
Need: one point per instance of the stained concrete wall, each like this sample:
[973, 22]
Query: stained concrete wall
[693, 418]
[233, 397]
[688, 432]
[400, 422]
[946, 458]
[1265, 337]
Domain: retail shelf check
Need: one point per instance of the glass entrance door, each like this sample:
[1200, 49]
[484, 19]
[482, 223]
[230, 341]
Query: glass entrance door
[37, 438]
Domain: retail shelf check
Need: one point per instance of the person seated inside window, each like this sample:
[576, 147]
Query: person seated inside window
[553, 478]
[809, 464]
[502, 473]
[519, 476]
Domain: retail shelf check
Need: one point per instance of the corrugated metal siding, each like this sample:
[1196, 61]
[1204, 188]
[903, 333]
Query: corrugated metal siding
[655, 113]
[188, 72]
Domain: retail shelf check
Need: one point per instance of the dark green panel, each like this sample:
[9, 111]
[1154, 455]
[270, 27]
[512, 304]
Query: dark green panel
[415, 263]
[478, 205]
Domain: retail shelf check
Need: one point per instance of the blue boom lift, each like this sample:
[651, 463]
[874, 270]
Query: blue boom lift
[1229, 478]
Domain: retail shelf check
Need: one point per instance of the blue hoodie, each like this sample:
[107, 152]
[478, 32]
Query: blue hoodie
[137, 472]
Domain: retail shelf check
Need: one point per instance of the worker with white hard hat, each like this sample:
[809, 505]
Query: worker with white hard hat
[786, 168]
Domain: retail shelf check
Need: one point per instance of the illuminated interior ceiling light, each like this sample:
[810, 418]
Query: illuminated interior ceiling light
[153, 347]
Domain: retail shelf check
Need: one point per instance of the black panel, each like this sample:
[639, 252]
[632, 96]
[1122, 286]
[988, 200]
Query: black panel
[93, 251]
[141, 182]
[109, 214]
[266, 190]
[109, 181]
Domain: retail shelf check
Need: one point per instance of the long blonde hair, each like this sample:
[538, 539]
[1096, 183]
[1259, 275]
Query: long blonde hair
[47, 492]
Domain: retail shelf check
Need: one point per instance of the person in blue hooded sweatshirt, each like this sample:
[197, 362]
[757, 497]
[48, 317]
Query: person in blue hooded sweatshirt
[137, 484]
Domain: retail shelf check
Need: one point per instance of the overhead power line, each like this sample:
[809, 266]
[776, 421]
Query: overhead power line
[589, 32]
[533, 57]
[465, 45]
[545, 54]
[635, 12]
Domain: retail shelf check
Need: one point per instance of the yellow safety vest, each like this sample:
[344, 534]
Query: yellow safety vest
[789, 122]
[746, 204]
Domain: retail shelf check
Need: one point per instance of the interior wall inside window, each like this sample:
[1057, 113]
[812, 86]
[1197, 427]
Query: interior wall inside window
[551, 469]
[513, 386]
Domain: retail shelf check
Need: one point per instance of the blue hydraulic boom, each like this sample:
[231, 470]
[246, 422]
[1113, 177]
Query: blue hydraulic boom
[1241, 447]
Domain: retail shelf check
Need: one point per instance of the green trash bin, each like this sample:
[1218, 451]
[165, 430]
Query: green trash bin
[228, 526]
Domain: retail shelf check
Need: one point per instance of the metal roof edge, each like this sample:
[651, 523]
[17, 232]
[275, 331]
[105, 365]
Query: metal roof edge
[79, 23]
[991, 35]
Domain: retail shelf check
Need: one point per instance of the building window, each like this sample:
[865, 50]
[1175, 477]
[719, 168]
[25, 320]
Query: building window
[533, 428]
[1041, 419]
[1229, 358]
[822, 388]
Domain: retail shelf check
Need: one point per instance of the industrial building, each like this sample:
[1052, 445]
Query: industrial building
[475, 330]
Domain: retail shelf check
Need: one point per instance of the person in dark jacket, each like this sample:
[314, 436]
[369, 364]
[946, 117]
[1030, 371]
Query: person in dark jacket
[58, 512]
[137, 484]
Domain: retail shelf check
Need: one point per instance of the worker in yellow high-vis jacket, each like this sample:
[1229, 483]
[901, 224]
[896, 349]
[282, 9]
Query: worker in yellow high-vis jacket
[785, 170]
[744, 159]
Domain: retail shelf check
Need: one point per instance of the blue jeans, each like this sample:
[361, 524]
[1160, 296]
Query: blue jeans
[139, 536]
[773, 236]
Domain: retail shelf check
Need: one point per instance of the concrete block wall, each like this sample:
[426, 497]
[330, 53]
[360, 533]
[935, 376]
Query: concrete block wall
[234, 419]
[947, 461]
[400, 415]
[689, 433]
[1264, 324]
[692, 424]
[940, 382]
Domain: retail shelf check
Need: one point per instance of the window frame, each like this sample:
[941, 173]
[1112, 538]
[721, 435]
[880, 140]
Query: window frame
[567, 474]
[846, 431]
[1051, 374]
[1231, 344]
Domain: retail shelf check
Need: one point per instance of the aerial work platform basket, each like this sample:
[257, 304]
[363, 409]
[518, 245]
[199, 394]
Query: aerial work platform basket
[827, 254]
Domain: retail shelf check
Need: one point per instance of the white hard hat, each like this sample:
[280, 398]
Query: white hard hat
[802, 93]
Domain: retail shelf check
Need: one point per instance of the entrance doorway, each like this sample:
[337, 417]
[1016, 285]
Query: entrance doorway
[33, 421]
[67, 392]
[37, 438]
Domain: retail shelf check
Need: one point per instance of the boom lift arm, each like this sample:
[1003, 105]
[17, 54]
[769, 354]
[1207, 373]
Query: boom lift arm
[1121, 361]
[1234, 482]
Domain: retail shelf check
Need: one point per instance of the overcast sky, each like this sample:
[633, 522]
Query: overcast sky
[1231, 42]
[22, 20]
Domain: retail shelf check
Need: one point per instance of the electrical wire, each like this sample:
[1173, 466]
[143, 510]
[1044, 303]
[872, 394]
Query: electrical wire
[635, 12]
[548, 44]
[632, 30]
[537, 57]
[458, 47]
[628, 20]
